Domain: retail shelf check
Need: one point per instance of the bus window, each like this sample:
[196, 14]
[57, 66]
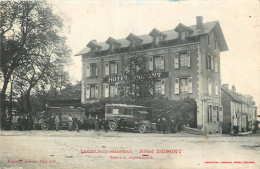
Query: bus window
[130, 111]
[115, 111]
[124, 111]
[109, 111]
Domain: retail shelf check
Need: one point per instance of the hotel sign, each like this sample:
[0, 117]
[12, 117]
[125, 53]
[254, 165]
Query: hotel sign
[159, 75]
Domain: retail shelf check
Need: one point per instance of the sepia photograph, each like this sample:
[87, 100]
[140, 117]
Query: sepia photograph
[130, 84]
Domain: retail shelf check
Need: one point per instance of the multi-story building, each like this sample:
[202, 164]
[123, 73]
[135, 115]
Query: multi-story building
[186, 58]
[238, 110]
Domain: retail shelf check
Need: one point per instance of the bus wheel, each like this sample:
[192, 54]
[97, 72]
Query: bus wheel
[112, 126]
[44, 126]
[142, 128]
[152, 129]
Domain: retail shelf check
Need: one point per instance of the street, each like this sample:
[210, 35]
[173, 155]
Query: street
[90, 149]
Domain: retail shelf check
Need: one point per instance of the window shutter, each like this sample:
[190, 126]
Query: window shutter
[162, 62]
[188, 53]
[176, 60]
[216, 65]
[107, 68]
[216, 89]
[209, 87]
[82, 92]
[88, 70]
[96, 69]
[212, 62]
[87, 92]
[96, 91]
[116, 89]
[207, 62]
[163, 87]
[190, 84]
[106, 90]
[150, 63]
[214, 113]
[116, 68]
[177, 85]
[220, 113]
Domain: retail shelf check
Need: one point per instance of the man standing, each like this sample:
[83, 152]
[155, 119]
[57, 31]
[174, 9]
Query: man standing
[70, 123]
[75, 124]
[57, 122]
[96, 123]
[85, 122]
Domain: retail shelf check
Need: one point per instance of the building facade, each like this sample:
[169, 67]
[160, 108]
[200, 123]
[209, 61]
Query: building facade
[238, 110]
[186, 60]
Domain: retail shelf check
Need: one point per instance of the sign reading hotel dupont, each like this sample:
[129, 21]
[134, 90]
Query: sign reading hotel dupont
[91, 84]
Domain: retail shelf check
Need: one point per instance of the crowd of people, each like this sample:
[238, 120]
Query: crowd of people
[25, 123]
[91, 123]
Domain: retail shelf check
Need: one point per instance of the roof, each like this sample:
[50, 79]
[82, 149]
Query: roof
[180, 26]
[234, 97]
[170, 35]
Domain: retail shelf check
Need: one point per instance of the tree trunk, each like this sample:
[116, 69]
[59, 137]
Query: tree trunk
[3, 102]
[28, 103]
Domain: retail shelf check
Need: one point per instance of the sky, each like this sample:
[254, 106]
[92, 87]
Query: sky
[240, 22]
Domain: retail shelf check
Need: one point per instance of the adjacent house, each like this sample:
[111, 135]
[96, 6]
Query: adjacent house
[238, 109]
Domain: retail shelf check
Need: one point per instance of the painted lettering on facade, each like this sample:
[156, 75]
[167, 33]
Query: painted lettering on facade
[182, 48]
[123, 78]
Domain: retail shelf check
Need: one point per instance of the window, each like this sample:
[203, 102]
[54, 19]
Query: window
[209, 113]
[158, 87]
[217, 113]
[215, 45]
[157, 63]
[93, 70]
[112, 90]
[157, 39]
[92, 92]
[208, 39]
[184, 60]
[209, 62]
[110, 68]
[183, 85]
[183, 35]
[184, 88]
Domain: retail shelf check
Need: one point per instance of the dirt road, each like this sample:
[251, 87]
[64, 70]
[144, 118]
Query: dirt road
[89, 149]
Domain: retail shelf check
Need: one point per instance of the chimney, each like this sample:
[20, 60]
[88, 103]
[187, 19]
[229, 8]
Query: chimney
[234, 88]
[225, 86]
[199, 22]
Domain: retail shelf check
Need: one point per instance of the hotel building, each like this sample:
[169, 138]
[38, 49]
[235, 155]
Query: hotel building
[186, 59]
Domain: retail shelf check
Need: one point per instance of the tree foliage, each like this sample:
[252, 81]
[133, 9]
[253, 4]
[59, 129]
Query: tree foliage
[33, 47]
[139, 82]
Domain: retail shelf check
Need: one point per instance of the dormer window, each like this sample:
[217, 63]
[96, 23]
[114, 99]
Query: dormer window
[183, 31]
[183, 35]
[113, 44]
[157, 36]
[158, 39]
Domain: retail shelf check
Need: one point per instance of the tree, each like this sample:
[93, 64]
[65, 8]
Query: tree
[32, 45]
[139, 82]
